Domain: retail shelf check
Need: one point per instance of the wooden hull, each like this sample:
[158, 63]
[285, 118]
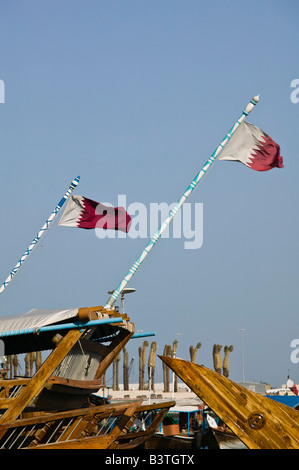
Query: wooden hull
[259, 422]
[139, 437]
[65, 394]
[83, 428]
[99, 427]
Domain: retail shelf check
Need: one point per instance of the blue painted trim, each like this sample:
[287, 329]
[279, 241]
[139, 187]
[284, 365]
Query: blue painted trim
[142, 335]
[65, 326]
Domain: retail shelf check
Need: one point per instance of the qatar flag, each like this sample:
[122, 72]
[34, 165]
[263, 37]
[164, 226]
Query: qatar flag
[292, 386]
[253, 147]
[85, 213]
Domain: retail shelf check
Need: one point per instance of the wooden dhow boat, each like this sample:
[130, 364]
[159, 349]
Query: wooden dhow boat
[180, 429]
[259, 422]
[111, 426]
[216, 435]
[223, 438]
[199, 434]
[82, 344]
[56, 407]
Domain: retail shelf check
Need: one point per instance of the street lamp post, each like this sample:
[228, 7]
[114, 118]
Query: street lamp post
[173, 374]
[242, 346]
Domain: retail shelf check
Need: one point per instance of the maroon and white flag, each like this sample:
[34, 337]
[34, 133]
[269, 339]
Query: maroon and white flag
[85, 213]
[253, 147]
[292, 386]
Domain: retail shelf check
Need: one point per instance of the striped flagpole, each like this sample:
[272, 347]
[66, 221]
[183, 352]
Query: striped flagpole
[42, 231]
[178, 205]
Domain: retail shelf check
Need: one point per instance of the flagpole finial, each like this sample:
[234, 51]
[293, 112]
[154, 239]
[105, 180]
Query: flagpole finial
[252, 104]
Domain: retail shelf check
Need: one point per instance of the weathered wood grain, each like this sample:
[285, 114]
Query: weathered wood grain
[258, 421]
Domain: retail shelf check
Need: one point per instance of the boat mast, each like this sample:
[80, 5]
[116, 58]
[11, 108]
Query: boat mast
[178, 205]
[42, 231]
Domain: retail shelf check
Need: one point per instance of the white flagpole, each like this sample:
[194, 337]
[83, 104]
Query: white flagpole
[178, 205]
[42, 231]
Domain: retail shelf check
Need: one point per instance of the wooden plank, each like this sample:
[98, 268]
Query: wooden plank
[37, 382]
[94, 442]
[125, 418]
[131, 440]
[6, 402]
[115, 348]
[258, 421]
[99, 442]
[70, 383]
[12, 382]
[104, 410]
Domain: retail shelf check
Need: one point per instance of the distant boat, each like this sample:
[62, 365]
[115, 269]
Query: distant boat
[191, 427]
[219, 436]
[180, 429]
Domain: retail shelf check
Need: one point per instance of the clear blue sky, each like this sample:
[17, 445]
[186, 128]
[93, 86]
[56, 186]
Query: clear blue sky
[134, 96]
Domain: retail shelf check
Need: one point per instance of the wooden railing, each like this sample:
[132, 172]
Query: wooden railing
[10, 389]
[99, 424]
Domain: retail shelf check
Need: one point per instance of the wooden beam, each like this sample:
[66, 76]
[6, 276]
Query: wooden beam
[5, 403]
[99, 442]
[94, 442]
[35, 385]
[126, 440]
[115, 348]
[104, 411]
[124, 419]
[258, 421]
